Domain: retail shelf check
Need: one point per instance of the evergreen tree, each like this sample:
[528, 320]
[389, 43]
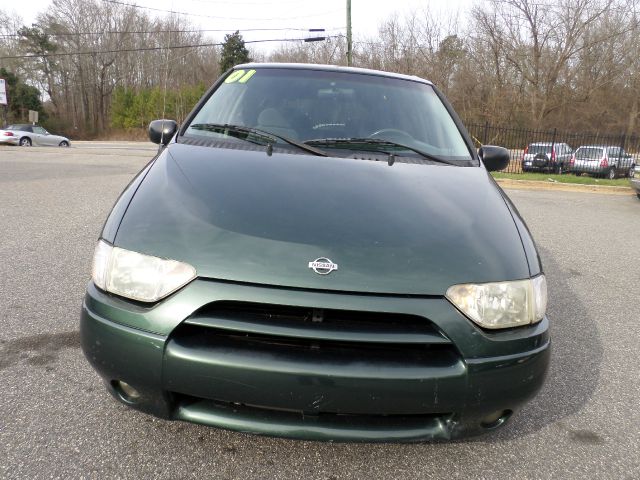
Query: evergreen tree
[21, 97]
[233, 51]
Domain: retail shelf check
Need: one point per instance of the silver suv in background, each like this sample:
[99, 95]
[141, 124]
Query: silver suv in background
[635, 180]
[547, 157]
[603, 161]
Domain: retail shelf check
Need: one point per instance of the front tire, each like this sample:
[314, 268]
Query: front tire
[63, 144]
[560, 169]
[611, 174]
[632, 171]
[25, 142]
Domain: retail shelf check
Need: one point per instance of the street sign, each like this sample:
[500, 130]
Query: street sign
[3, 92]
[33, 116]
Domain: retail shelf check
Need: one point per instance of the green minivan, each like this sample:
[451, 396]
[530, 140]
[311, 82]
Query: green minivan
[319, 252]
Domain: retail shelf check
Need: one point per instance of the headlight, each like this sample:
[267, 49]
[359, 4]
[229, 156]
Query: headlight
[502, 304]
[137, 276]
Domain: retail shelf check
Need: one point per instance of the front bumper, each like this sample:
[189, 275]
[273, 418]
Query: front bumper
[426, 373]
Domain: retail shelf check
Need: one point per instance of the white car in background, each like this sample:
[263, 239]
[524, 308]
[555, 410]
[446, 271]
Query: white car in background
[603, 161]
[635, 179]
[27, 135]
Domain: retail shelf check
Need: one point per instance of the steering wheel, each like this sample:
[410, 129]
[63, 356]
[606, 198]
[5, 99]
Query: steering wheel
[390, 133]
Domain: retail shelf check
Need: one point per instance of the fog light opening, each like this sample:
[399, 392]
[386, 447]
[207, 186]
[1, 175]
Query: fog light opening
[495, 419]
[125, 391]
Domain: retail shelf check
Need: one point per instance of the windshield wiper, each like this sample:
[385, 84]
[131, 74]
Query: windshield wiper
[380, 142]
[229, 129]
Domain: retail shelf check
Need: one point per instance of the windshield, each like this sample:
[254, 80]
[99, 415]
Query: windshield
[309, 105]
[535, 149]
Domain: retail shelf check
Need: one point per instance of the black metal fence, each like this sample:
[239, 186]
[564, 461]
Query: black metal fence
[556, 151]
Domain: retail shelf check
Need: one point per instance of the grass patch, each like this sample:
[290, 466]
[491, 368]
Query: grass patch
[566, 178]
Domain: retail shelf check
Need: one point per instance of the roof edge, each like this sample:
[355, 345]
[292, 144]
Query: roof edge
[334, 68]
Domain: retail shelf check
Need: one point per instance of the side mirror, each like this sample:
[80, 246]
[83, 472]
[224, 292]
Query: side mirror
[494, 158]
[161, 131]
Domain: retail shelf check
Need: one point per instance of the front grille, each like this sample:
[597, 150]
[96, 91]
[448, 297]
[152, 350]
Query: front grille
[242, 325]
[336, 352]
[313, 360]
[307, 322]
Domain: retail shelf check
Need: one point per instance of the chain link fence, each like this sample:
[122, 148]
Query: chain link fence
[556, 151]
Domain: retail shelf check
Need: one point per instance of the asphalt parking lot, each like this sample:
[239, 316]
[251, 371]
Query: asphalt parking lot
[57, 421]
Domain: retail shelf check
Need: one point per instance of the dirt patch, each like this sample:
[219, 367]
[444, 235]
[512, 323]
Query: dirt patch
[38, 350]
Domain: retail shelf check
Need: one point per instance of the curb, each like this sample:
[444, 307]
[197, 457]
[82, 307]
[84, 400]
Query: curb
[566, 187]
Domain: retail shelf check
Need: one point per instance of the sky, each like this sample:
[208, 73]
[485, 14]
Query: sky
[231, 15]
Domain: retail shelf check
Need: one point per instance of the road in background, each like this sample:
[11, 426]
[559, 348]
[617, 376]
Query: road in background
[56, 419]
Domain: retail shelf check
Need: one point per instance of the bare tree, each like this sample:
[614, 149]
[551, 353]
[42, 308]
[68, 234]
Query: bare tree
[526, 63]
[540, 40]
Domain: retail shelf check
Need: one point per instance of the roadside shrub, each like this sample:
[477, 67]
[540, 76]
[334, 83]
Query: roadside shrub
[135, 109]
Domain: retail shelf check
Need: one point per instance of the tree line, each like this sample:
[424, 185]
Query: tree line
[537, 64]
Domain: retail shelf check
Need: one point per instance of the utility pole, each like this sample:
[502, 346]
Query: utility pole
[349, 45]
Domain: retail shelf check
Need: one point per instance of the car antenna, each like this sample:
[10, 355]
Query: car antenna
[391, 160]
[269, 149]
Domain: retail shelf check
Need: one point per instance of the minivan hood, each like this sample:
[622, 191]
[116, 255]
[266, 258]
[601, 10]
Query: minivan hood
[245, 216]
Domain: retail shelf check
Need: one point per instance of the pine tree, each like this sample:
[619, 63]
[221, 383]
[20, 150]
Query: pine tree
[21, 98]
[233, 51]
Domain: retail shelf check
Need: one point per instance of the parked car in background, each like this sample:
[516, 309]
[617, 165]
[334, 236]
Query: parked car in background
[635, 179]
[546, 156]
[27, 135]
[603, 161]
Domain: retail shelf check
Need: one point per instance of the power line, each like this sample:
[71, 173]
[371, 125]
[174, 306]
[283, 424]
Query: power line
[116, 2]
[235, 2]
[140, 32]
[148, 49]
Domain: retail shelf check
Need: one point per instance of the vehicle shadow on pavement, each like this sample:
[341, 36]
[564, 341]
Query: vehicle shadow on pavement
[576, 356]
